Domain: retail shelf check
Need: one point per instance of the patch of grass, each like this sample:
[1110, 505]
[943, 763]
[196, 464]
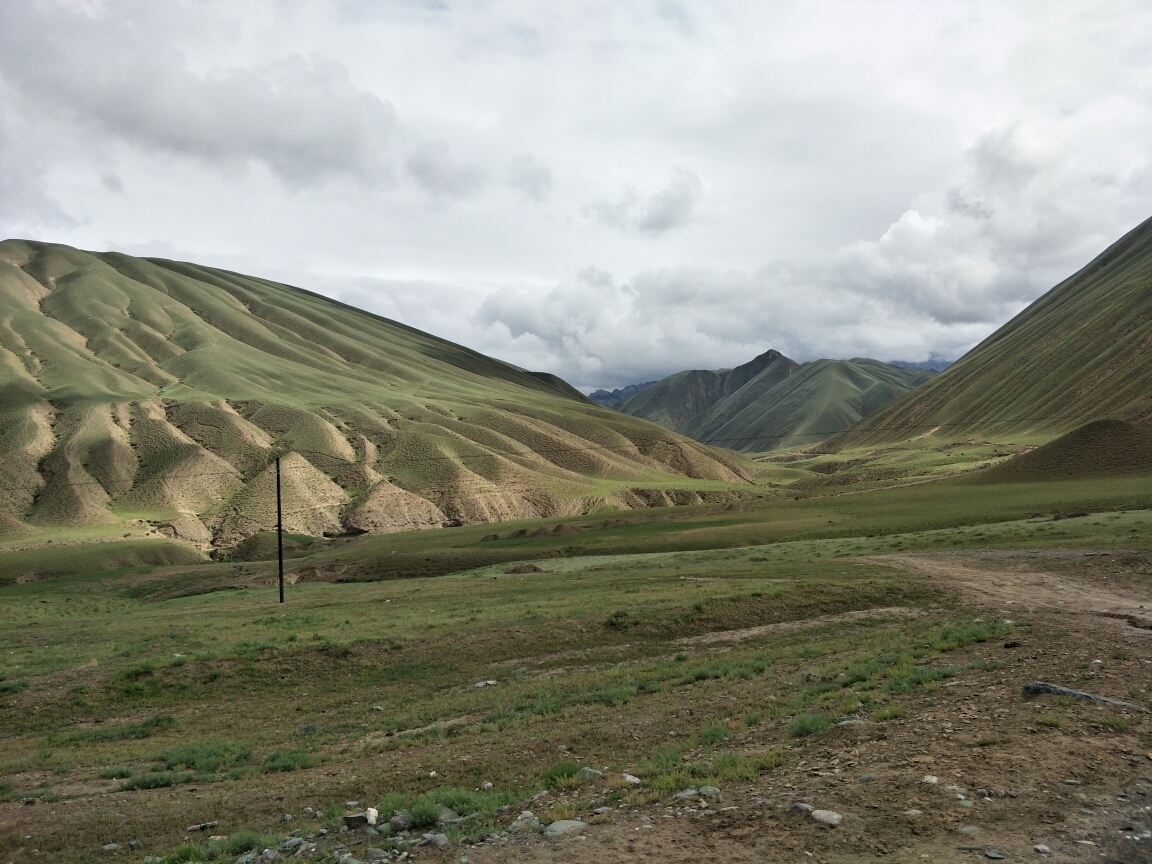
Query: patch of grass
[810, 724]
[1052, 720]
[289, 760]
[204, 758]
[1117, 724]
[155, 780]
[125, 731]
[7, 688]
[120, 773]
[889, 712]
[960, 635]
[908, 681]
[713, 733]
[559, 772]
[752, 719]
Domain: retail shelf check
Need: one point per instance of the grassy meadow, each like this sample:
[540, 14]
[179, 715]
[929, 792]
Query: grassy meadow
[167, 691]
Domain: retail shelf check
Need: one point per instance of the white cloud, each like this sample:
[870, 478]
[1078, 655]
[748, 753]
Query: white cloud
[670, 208]
[609, 192]
[530, 177]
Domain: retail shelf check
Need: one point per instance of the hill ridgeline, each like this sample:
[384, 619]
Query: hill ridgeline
[772, 402]
[143, 391]
[1080, 353]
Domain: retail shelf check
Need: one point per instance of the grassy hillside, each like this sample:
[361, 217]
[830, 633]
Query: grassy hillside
[1081, 352]
[153, 396]
[674, 401]
[820, 399]
[772, 402]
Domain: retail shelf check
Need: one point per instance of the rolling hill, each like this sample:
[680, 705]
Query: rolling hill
[772, 402]
[155, 395]
[1081, 352]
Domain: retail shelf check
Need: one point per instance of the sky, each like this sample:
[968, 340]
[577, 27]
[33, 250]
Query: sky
[609, 191]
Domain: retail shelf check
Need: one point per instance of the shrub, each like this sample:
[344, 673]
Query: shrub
[713, 734]
[288, 760]
[621, 620]
[752, 719]
[1051, 720]
[1117, 724]
[558, 772]
[203, 758]
[115, 773]
[126, 731]
[908, 681]
[810, 724]
[8, 687]
[155, 780]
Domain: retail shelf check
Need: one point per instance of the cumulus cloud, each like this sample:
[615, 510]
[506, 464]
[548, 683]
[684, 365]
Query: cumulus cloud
[530, 177]
[300, 115]
[442, 175]
[652, 215]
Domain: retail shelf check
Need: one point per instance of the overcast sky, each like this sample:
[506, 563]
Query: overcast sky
[610, 191]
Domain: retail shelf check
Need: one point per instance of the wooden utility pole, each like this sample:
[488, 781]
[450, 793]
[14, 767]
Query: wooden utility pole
[279, 531]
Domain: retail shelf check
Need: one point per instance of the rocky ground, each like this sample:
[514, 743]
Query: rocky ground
[971, 771]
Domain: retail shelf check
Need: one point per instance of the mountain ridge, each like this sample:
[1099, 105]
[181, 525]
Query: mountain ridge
[1080, 352]
[151, 392]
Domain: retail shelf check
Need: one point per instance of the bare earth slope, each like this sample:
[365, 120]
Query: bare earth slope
[145, 389]
[1081, 352]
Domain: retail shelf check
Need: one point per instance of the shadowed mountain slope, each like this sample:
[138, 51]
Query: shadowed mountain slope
[1081, 352]
[143, 390]
[674, 401]
[772, 402]
[1102, 448]
[818, 400]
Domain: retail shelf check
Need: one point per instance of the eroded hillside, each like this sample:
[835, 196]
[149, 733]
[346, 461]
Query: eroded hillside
[137, 391]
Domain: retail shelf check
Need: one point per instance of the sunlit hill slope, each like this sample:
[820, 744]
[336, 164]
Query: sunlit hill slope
[158, 391]
[1081, 352]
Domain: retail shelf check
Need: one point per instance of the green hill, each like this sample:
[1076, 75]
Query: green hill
[674, 401]
[154, 395]
[1081, 352]
[772, 402]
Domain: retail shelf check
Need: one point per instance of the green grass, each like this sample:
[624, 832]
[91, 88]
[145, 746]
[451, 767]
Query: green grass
[810, 724]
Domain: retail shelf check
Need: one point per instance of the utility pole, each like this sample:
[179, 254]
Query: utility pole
[279, 531]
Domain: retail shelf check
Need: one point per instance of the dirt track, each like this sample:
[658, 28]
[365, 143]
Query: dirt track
[1083, 789]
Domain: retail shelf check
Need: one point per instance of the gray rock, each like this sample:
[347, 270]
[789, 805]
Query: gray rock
[632, 781]
[994, 854]
[687, 793]
[486, 786]
[292, 843]
[446, 814]
[372, 854]
[351, 805]
[709, 791]
[931, 779]
[348, 859]
[525, 823]
[1042, 849]
[564, 826]
[827, 817]
[268, 855]
[135, 844]
[371, 832]
[866, 778]
[111, 847]
[246, 858]
[589, 774]
[967, 803]
[440, 841]
[969, 829]
[600, 811]
[803, 808]
[401, 821]
[356, 820]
